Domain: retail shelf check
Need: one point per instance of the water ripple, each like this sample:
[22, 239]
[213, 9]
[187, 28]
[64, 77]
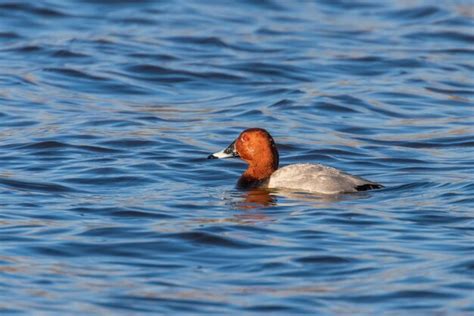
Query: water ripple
[108, 110]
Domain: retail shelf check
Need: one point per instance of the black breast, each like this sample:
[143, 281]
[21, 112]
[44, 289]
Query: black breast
[250, 183]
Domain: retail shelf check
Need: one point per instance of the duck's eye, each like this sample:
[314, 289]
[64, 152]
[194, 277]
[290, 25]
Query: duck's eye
[244, 138]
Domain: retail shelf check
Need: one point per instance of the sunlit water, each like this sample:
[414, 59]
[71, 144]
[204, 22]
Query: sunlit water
[108, 112]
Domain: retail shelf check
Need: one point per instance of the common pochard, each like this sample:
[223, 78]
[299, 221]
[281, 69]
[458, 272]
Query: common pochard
[257, 148]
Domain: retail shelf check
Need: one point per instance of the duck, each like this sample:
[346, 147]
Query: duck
[257, 148]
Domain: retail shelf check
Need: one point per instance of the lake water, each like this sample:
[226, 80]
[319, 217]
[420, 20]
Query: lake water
[108, 110]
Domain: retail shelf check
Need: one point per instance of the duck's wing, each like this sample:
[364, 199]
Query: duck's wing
[318, 179]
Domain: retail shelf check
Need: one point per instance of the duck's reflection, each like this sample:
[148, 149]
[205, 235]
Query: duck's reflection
[255, 198]
[260, 198]
[251, 202]
[256, 205]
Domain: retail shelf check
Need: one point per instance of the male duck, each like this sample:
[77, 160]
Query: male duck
[256, 147]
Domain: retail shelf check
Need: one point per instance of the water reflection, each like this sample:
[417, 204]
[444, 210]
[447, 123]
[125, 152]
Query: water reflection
[263, 198]
[256, 198]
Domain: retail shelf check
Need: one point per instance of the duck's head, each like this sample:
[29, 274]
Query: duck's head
[256, 147]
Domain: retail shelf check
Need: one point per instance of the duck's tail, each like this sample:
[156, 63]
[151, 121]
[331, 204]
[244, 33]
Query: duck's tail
[369, 186]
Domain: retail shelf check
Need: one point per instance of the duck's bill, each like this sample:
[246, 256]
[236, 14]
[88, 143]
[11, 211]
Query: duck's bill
[229, 152]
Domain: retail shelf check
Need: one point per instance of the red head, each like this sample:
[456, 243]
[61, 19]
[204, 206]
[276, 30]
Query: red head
[256, 147]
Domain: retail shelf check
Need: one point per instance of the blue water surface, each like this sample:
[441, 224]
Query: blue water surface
[108, 110]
